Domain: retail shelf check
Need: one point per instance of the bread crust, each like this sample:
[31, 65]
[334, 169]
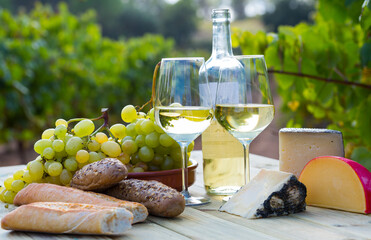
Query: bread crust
[100, 175]
[58, 217]
[44, 192]
[159, 199]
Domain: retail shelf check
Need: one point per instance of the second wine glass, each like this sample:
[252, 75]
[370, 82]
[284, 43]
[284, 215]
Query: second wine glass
[183, 108]
[246, 108]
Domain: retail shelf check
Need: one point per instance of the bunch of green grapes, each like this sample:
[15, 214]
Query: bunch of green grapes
[141, 146]
[146, 146]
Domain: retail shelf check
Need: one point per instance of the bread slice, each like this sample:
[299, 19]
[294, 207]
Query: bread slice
[59, 217]
[44, 192]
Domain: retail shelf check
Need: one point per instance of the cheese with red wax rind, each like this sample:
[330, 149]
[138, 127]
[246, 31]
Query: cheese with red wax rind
[337, 183]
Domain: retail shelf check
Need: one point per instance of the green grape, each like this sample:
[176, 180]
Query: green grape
[55, 169]
[52, 138]
[124, 158]
[127, 138]
[118, 130]
[147, 126]
[93, 157]
[138, 127]
[158, 129]
[74, 145]
[60, 155]
[137, 169]
[130, 130]
[101, 137]
[48, 153]
[84, 128]
[157, 160]
[58, 145]
[18, 174]
[134, 158]
[162, 150]
[65, 177]
[176, 105]
[81, 165]
[140, 140]
[46, 165]
[41, 144]
[166, 140]
[129, 167]
[129, 147]
[27, 177]
[153, 168]
[38, 158]
[93, 145]
[36, 170]
[141, 115]
[60, 131]
[142, 165]
[47, 133]
[191, 146]
[8, 183]
[17, 185]
[152, 140]
[176, 153]
[111, 148]
[82, 156]
[151, 114]
[146, 154]
[9, 196]
[2, 191]
[128, 113]
[53, 180]
[167, 164]
[67, 137]
[70, 164]
[61, 122]
[101, 155]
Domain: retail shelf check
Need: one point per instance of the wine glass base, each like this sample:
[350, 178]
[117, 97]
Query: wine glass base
[196, 201]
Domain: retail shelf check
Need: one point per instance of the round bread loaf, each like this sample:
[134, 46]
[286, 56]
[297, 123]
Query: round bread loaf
[99, 175]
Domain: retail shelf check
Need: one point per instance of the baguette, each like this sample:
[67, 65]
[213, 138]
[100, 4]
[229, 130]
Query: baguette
[44, 192]
[159, 199]
[58, 217]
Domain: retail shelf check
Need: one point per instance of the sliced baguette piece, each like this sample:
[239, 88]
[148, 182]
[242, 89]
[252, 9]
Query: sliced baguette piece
[59, 217]
[44, 192]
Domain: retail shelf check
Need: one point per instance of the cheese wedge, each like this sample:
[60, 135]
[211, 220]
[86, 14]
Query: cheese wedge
[297, 146]
[270, 193]
[338, 183]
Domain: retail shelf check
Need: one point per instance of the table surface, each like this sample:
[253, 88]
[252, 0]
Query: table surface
[206, 222]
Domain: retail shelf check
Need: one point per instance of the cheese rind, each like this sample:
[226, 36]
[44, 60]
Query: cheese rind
[270, 193]
[297, 146]
[338, 183]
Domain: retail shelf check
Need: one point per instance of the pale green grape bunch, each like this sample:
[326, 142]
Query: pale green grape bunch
[147, 145]
[140, 144]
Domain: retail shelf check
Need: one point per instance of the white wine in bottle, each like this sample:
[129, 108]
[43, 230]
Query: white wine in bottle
[222, 153]
[223, 161]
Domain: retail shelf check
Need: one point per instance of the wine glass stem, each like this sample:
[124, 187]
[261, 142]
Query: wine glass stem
[246, 163]
[185, 192]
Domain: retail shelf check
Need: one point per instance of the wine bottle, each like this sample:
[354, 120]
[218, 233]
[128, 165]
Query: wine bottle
[223, 165]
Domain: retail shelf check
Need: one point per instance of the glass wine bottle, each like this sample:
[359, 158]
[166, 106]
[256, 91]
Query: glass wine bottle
[223, 165]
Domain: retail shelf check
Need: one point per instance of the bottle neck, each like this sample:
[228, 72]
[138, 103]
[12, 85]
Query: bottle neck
[222, 44]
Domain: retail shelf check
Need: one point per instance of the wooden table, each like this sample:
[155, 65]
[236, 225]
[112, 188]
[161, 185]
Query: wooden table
[205, 222]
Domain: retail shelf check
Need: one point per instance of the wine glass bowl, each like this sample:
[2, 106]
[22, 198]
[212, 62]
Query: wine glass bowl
[246, 108]
[183, 107]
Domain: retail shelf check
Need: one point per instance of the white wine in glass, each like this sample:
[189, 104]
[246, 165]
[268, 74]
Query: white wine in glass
[248, 110]
[183, 108]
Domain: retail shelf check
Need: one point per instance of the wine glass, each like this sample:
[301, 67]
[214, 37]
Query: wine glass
[245, 108]
[183, 108]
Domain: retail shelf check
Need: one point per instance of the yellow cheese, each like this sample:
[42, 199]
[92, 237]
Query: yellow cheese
[297, 146]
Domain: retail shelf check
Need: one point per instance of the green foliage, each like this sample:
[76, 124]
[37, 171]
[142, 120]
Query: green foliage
[57, 65]
[336, 46]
